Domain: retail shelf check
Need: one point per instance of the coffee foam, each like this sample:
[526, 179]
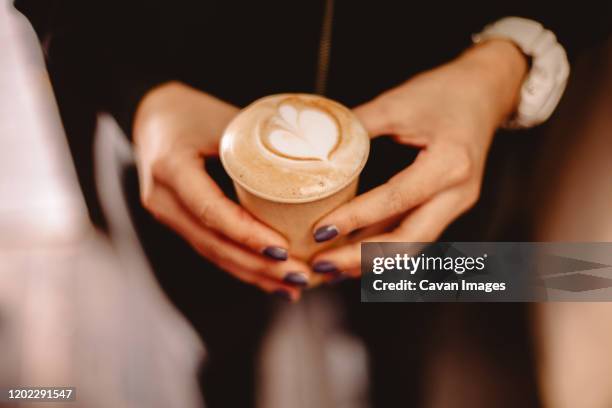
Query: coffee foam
[294, 147]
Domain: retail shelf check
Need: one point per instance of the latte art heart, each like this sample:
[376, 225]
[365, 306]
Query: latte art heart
[302, 134]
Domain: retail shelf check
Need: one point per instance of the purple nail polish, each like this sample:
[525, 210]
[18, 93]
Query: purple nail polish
[282, 294]
[325, 233]
[324, 267]
[277, 253]
[296, 278]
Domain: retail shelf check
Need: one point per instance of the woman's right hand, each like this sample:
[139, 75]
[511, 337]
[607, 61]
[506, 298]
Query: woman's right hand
[175, 128]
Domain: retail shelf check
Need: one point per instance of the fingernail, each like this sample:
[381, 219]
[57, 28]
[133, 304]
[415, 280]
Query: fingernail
[324, 267]
[282, 294]
[338, 278]
[274, 252]
[296, 278]
[325, 233]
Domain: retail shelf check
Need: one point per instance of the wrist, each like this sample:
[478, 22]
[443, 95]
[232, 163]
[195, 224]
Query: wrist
[499, 68]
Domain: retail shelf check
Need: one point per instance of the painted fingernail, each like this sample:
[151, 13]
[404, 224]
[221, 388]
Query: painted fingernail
[296, 278]
[324, 267]
[282, 294]
[325, 233]
[338, 278]
[274, 252]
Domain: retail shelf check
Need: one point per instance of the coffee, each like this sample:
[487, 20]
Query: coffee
[293, 159]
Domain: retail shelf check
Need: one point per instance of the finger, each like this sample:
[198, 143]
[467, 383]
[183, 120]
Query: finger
[256, 269]
[428, 222]
[429, 174]
[293, 273]
[375, 229]
[207, 203]
[339, 277]
[329, 272]
[286, 291]
[374, 116]
[424, 224]
[339, 260]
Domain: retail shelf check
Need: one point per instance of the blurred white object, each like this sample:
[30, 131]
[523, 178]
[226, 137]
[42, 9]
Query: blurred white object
[547, 77]
[40, 199]
[162, 352]
[309, 360]
[76, 309]
[575, 339]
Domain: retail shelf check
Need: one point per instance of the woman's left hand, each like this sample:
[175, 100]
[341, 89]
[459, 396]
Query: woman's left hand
[451, 114]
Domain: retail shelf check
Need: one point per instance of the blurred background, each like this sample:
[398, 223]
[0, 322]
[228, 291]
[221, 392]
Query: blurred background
[81, 307]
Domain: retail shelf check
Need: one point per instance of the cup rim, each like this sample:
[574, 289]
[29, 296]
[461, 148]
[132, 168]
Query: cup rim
[276, 199]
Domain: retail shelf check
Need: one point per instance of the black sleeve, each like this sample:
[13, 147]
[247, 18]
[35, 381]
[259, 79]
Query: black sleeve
[113, 51]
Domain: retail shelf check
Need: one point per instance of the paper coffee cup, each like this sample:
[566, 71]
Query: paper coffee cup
[293, 159]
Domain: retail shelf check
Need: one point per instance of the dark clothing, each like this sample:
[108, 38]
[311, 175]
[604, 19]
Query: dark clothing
[104, 55]
[240, 51]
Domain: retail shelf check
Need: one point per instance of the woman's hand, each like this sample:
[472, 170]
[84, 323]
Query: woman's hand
[451, 113]
[175, 128]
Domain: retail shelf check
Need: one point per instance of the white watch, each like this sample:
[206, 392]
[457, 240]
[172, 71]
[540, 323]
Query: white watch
[546, 80]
